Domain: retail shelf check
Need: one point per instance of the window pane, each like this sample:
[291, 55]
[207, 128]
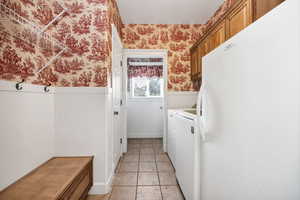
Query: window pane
[140, 87]
[154, 87]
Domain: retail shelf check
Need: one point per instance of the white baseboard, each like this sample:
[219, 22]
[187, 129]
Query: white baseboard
[98, 188]
[109, 183]
[102, 188]
[145, 135]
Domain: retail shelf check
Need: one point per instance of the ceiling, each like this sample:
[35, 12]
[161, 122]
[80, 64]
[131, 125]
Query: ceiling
[167, 11]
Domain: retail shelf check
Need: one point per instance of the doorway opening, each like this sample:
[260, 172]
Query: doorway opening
[145, 78]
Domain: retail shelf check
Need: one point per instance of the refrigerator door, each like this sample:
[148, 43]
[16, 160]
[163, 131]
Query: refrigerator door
[252, 84]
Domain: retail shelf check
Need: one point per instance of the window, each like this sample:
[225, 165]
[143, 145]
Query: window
[146, 87]
[145, 77]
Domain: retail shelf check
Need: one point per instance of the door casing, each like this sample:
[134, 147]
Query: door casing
[163, 53]
[117, 95]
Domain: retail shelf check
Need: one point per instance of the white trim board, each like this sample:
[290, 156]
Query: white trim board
[10, 86]
[102, 188]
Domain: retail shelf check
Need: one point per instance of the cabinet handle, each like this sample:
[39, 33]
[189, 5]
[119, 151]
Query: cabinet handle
[192, 130]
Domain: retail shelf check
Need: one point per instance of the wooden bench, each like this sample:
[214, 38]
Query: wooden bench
[59, 178]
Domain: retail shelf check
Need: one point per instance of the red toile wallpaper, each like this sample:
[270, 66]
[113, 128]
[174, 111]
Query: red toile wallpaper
[177, 39]
[85, 30]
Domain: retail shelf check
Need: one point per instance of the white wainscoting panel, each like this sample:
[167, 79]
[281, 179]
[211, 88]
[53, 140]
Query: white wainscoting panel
[26, 130]
[36, 126]
[81, 129]
[181, 99]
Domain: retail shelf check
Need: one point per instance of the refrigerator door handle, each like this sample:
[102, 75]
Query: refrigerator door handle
[202, 116]
[229, 46]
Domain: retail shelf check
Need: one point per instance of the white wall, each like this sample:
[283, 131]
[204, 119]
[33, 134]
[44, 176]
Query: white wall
[145, 118]
[181, 99]
[26, 130]
[35, 126]
[81, 129]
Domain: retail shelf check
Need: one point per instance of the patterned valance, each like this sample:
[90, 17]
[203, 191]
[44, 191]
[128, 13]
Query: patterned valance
[145, 71]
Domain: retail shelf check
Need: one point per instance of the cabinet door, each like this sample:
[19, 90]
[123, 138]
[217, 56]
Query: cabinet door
[217, 37]
[199, 70]
[261, 7]
[239, 18]
[194, 63]
[205, 46]
[203, 49]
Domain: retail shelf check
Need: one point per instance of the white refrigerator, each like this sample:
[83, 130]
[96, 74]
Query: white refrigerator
[250, 122]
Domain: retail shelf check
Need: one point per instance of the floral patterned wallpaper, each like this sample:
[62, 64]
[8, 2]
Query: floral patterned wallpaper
[177, 39]
[85, 30]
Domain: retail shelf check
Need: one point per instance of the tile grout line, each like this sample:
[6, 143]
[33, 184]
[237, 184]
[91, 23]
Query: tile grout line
[155, 155]
[110, 195]
[139, 169]
[138, 172]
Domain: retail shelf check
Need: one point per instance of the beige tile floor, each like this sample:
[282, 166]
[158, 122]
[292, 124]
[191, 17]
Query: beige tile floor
[97, 197]
[144, 173]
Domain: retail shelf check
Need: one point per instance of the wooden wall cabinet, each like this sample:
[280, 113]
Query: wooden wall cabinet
[238, 17]
[194, 69]
[205, 46]
[218, 35]
[199, 62]
[261, 7]
[216, 38]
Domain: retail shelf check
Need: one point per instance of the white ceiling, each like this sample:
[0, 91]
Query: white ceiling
[167, 11]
